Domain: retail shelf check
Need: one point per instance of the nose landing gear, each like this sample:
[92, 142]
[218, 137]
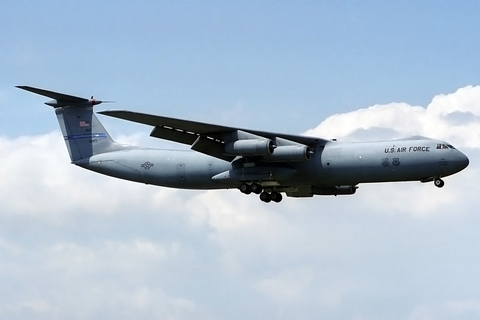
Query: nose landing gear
[439, 183]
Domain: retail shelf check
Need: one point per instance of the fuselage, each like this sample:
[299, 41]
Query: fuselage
[332, 164]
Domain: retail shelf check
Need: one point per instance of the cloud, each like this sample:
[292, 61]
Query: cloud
[454, 117]
[75, 244]
[287, 287]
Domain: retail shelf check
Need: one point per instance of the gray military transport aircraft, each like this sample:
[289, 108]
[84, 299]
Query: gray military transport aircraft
[264, 163]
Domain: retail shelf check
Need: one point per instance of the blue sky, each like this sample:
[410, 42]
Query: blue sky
[78, 245]
[243, 63]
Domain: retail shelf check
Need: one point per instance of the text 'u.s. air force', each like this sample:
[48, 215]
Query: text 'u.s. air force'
[407, 149]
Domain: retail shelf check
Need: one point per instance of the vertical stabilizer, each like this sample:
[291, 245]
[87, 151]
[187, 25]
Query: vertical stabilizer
[84, 135]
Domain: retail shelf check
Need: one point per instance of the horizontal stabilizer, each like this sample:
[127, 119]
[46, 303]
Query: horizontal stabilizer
[61, 99]
[54, 95]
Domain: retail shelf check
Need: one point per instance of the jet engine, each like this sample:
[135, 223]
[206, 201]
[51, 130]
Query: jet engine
[292, 153]
[250, 147]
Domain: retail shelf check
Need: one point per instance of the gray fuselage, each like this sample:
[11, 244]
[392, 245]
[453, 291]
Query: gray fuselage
[334, 164]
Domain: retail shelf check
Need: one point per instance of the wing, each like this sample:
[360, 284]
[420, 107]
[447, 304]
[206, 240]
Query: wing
[220, 141]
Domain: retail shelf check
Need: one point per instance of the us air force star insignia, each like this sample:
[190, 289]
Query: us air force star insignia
[147, 165]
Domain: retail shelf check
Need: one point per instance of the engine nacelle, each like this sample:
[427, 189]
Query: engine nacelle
[334, 191]
[250, 147]
[292, 153]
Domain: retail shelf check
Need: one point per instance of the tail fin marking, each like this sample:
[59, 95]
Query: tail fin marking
[84, 135]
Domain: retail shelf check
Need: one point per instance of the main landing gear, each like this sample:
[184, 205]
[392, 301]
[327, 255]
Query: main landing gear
[273, 196]
[264, 195]
[439, 183]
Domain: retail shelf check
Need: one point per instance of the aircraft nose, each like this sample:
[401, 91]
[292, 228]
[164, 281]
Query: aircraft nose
[461, 161]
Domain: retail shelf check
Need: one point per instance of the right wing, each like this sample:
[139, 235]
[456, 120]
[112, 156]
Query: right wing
[214, 139]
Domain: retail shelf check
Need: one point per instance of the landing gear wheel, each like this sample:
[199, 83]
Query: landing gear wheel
[256, 188]
[439, 183]
[265, 197]
[276, 196]
[245, 188]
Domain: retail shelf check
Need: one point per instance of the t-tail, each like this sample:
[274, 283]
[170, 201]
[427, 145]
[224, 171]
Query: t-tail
[84, 135]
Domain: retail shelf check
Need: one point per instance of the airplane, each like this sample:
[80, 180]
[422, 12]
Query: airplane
[259, 162]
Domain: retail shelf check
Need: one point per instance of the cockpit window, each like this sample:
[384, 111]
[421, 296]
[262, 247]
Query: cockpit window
[444, 146]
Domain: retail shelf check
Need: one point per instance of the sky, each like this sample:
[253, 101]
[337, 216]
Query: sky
[78, 245]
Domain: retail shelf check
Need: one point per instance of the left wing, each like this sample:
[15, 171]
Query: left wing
[225, 142]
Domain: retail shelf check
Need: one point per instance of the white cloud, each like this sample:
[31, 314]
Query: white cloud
[288, 286]
[36, 305]
[454, 117]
